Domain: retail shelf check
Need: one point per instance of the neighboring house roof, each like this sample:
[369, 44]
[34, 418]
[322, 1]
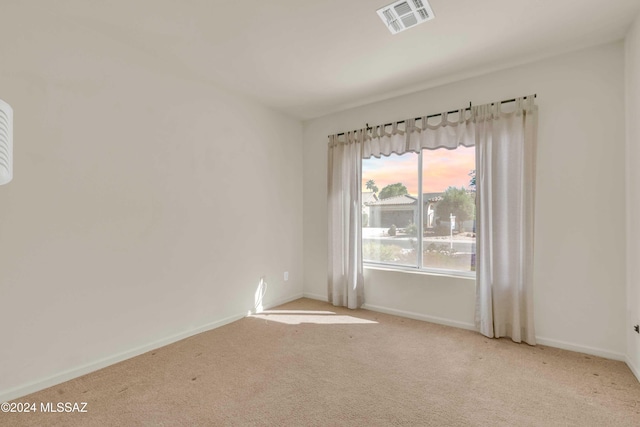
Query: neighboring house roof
[404, 199]
[368, 197]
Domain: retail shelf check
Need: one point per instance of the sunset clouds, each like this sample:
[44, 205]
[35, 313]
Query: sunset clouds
[441, 169]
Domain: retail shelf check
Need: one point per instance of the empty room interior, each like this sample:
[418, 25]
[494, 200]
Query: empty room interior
[320, 213]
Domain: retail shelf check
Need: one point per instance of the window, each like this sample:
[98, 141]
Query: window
[418, 210]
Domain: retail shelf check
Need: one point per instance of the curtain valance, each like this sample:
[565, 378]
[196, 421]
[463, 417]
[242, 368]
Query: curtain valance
[415, 134]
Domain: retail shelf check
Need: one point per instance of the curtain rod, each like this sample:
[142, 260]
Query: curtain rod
[439, 114]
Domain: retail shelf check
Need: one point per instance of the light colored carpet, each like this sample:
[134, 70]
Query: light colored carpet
[294, 367]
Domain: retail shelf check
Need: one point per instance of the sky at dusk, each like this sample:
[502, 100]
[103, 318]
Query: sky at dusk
[442, 169]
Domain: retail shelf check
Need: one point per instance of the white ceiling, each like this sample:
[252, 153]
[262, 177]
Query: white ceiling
[310, 58]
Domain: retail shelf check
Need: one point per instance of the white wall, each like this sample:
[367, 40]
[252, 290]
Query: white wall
[579, 272]
[145, 204]
[632, 73]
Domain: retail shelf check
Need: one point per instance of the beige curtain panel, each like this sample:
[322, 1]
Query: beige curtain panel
[505, 188]
[346, 283]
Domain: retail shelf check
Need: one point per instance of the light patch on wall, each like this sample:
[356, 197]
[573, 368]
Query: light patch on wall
[261, 290]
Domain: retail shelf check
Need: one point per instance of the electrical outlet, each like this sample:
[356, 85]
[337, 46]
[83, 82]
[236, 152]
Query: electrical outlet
[286, 276]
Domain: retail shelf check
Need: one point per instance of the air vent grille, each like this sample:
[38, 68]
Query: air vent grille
[6, 142]
[404, 14]
[402, 8]
[409, 20]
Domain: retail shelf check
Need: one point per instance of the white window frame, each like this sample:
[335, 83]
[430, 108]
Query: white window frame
[419, 268]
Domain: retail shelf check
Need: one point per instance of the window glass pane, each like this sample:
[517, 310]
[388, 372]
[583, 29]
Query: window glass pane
[448, 186]
[390, 209]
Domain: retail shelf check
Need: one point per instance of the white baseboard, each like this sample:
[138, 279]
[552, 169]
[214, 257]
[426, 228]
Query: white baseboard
[418, 316]
[540, 340]
[316, 296]
[632, 367]
[32, 387]
[607, 354]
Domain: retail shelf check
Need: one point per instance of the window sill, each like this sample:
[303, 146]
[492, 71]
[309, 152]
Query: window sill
[471, 275]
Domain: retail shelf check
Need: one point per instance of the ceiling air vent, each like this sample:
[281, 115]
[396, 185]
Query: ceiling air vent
[404, 14]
